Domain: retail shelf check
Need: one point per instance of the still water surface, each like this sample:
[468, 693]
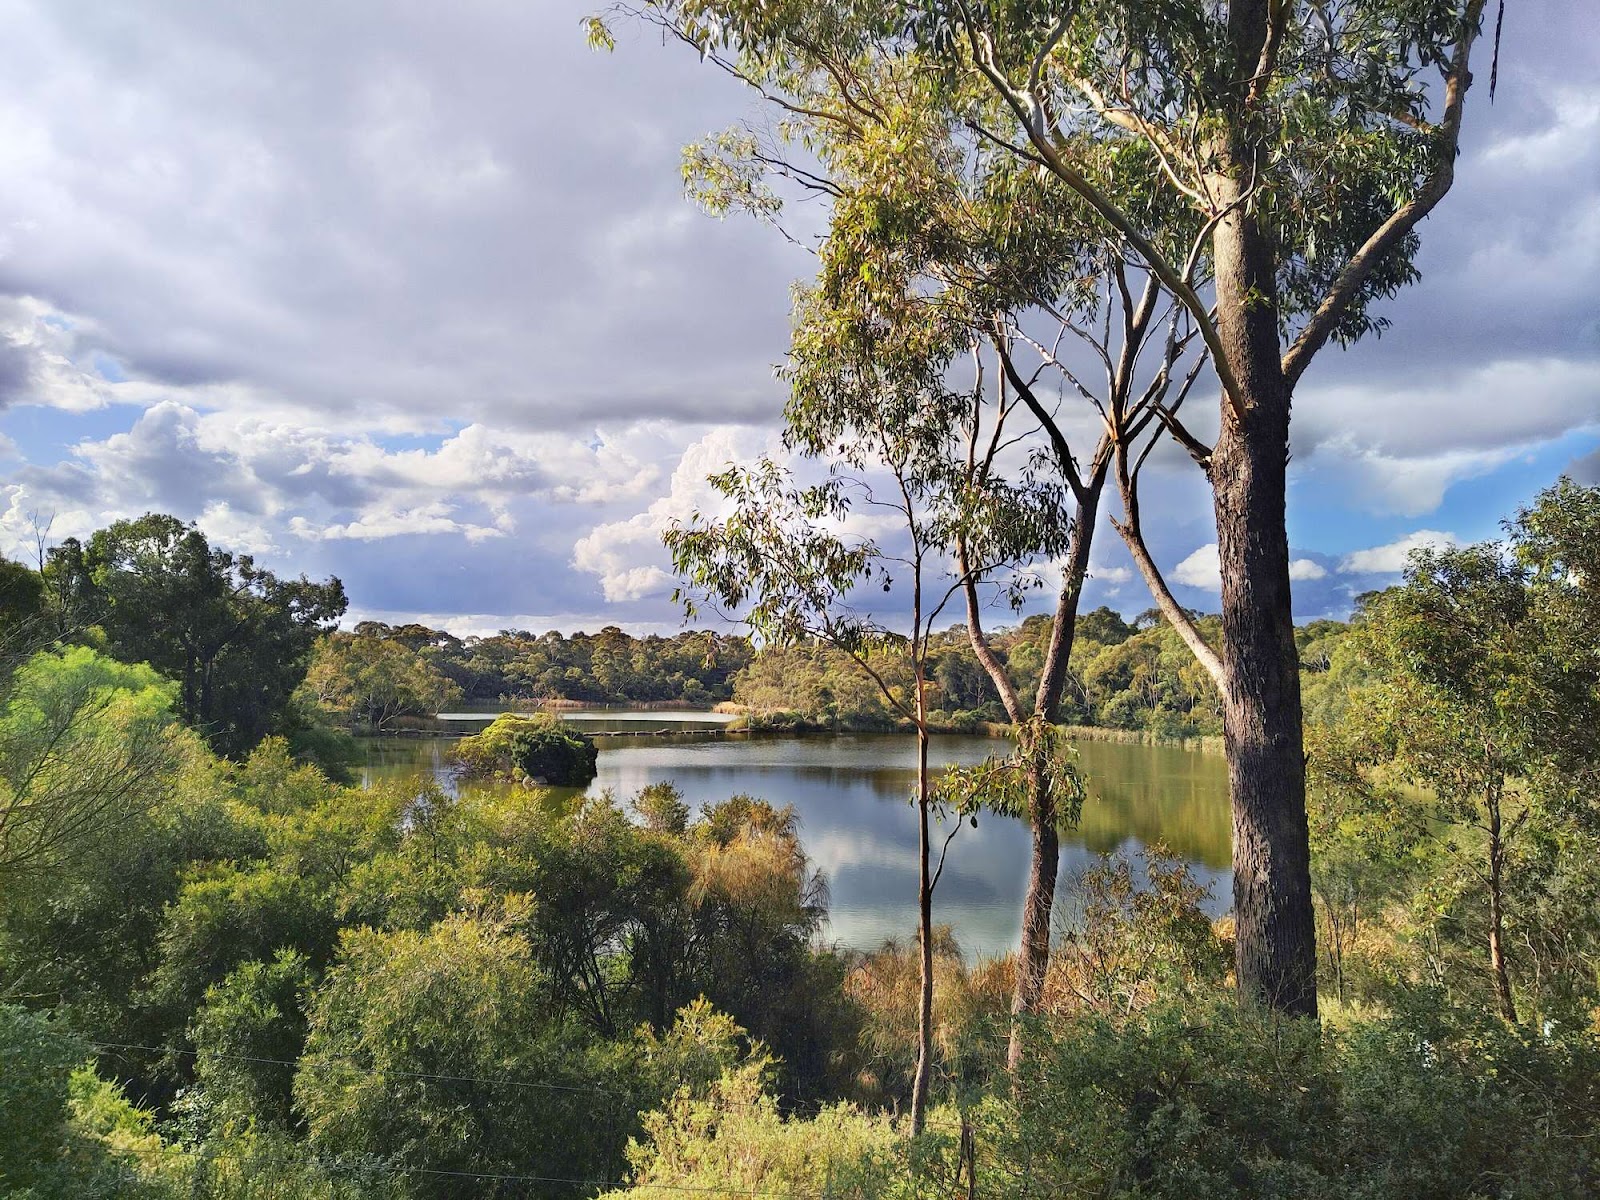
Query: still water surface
[852, 792]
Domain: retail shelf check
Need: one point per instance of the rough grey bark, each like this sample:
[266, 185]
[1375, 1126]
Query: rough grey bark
[1276, 933]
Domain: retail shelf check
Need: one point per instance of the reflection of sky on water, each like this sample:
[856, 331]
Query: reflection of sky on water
[597, 719]
[852, 794]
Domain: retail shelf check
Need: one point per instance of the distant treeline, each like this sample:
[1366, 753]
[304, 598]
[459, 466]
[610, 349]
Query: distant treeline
[609, 667]
[254, 655]
[1125, 674]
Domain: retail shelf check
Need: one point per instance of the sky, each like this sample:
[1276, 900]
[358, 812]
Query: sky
[409, 293]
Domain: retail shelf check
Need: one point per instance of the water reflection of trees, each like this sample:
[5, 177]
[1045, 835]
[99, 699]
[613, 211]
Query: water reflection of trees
[852, 795]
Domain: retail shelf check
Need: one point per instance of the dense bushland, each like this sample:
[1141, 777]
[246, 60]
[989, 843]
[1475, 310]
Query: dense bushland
[240, 978]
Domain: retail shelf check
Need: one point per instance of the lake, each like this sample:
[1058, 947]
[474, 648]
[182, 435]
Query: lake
[852, 794]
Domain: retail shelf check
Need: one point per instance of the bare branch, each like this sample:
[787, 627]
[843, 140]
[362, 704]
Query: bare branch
[1058, 441]
[1132, 532]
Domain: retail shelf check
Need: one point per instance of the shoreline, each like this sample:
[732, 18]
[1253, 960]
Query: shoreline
[764, 725]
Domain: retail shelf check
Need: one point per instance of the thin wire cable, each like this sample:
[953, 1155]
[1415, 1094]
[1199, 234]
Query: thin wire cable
[288, 1062]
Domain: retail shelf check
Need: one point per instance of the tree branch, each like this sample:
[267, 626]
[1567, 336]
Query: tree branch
[1028, 112]
[1132, 532]
[1342, 293]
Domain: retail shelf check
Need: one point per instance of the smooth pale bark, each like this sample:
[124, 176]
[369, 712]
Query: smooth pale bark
[1497, 918]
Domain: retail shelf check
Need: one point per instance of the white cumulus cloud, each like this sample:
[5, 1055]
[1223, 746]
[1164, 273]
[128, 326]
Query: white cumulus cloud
[1202, 569]
[1391, 558]
[627, 554]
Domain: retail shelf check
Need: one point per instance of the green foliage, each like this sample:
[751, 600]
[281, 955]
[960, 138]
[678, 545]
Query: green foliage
[538, 750]
[351, 992]
[736, 1139]
[608, 667]
[266, 1164]
[1174, 1103]
[1482, 704]
[87, 936]
[371, 681]
[38, 1055]
[22, 615]
[85, 748]
[229, 916]
[1041, 771]
[1208, 1100]
[1198, 1099]
[312, 740]
[129, 1157]
[66, 1135]
[439, 1050]
[247, 1034]
[1119, 677]
[233, 636]
[662, 809]
[814, 684]
[1137, 933]
[442, 1051]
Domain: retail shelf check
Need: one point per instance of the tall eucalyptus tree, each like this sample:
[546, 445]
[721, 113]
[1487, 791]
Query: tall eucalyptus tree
[1294, 147]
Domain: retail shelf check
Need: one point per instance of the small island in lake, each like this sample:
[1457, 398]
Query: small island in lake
[535, 751]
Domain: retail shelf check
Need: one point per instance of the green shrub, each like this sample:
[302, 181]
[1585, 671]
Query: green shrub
[66, 1134]
[531, 750]
[250, 1025]
[1206, 1100]
[736, 1140]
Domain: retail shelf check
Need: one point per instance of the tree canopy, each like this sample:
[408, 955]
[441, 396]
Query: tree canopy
[233, 636]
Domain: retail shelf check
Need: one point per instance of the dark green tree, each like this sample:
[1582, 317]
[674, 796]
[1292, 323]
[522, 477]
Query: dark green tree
[233, 636]
[22, 614]
[540, 750]
[1484, 697]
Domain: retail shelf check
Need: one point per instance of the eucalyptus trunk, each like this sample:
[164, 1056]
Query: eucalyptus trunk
[1497, 916]
[1044, 868]
[1044, 862]
[1275, 946]
[924, 1071]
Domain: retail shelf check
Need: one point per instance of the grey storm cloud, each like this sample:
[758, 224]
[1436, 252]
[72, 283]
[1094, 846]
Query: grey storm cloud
[1586, 469]
[412, 208]
[15, 372]
[410, 292]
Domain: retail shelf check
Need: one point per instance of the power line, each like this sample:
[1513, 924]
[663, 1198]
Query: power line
[289, 1062]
